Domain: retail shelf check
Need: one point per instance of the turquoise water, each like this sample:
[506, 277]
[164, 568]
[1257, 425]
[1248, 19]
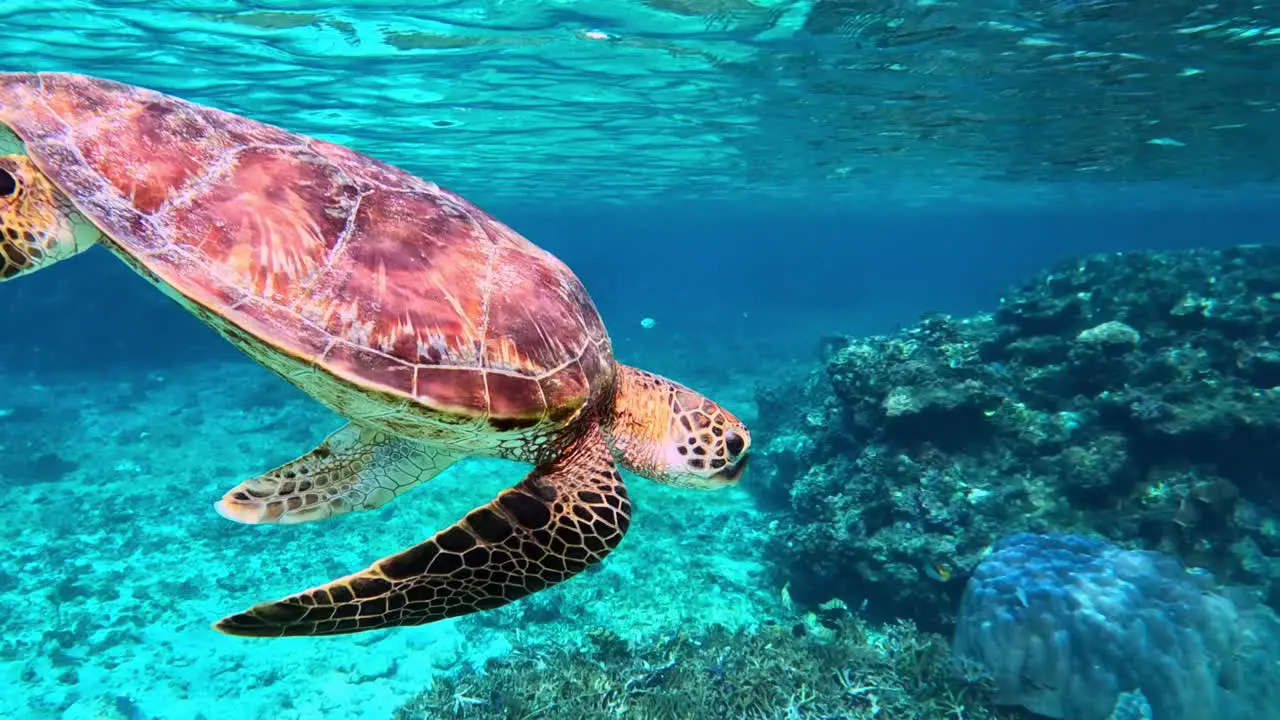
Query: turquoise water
[738, 184]
[784, 101]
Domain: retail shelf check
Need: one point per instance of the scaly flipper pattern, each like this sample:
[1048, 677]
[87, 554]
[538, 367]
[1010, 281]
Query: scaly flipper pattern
[353, 469]
[563, 517]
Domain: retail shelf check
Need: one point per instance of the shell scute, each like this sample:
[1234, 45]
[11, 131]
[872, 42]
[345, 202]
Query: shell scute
[97, 198]
[115, 147]
[371, 170]
[409, 282]
[386, 372]
[592, 364]
[515, 396]
[79, 101]
[268, 221]
[461, 388]
[565, 390]
[528, 327]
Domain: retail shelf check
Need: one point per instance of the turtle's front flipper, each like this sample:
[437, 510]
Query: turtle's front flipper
[353, 469]
[563, 517]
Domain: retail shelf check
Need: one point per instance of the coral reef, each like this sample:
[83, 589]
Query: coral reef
[839, 669]
[1074, 627]
[1130, 395]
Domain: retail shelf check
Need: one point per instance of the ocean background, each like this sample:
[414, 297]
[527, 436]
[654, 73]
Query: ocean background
[756, 177]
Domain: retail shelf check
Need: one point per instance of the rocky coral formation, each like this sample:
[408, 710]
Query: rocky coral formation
[1130, 395]
[844, 671]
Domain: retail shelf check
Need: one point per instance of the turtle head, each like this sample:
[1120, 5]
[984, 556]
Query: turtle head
[38, 224]
[666, 432]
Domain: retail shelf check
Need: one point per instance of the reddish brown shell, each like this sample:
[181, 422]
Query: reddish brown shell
[381, 278]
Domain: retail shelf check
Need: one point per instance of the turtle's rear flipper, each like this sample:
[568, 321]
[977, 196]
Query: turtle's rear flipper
[563, 517]
[353, 469]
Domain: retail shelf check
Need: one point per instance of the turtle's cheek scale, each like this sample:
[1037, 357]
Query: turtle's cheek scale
[19, 251]
[22, 252]
[718, 454]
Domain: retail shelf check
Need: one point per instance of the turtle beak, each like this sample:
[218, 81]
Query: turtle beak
[731, 473]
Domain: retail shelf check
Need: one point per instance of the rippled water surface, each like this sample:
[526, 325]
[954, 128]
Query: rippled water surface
[844, 101]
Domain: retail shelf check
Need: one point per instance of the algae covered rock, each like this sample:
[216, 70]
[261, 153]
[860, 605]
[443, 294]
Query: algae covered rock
[1110, 335]
[1132, 395]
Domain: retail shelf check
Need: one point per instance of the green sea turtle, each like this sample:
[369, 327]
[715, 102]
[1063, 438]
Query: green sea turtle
[437, 331]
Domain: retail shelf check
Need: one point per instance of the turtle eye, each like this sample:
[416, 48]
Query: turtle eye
[8, 183]
[734, 443]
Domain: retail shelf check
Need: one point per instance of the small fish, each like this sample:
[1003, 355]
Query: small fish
[938, 571]
[834, 604]
[831, 612]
